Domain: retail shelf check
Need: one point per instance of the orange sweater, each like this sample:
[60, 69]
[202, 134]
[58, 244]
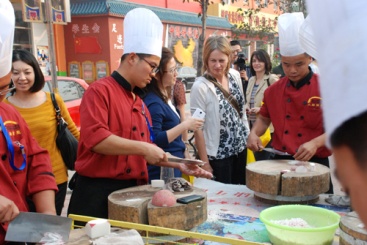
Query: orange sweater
[41, 121]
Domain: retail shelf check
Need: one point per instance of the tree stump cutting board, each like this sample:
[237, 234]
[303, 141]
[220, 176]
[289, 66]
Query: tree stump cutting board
[351, 230]
[275, 181]
[134, 205]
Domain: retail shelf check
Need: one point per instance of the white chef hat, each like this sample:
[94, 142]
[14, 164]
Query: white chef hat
[342, 60]
[306, 38]
[143, 32]
[7, 20]
[288, 28]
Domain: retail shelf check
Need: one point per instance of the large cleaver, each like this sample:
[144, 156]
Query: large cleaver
[32, 227]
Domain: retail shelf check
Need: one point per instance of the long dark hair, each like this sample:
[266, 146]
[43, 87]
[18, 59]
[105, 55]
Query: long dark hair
[262, 56]
[167, 55]
[28, 58]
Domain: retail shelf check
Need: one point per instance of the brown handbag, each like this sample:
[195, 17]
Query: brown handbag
[232, 100]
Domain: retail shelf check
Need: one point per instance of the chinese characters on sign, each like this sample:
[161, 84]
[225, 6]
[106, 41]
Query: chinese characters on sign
[119, 44]
[183, 32]
[75, 28]
[183, 40]
[238, 18]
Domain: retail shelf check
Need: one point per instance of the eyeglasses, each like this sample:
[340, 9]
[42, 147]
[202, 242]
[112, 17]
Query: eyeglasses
[10, 88]
[172, 70]
[155, 68]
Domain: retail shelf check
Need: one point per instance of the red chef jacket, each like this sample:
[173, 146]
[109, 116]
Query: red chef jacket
[109, 109]
[296, 113]
[37, 176]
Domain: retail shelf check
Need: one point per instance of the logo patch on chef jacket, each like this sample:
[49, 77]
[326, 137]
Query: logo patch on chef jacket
[314, 101]
[12, 127]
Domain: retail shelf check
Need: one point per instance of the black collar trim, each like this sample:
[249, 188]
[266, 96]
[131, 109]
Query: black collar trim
[126, 85]
[305, 80]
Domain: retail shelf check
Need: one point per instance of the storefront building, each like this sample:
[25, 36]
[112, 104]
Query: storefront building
[91, 45]
[94, 39]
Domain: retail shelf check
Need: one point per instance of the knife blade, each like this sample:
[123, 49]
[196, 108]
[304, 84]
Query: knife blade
[31, 227]
[186, 161]
[271, 150]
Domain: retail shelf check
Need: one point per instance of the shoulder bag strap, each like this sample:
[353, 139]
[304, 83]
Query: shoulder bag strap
[56, 106]
[268, 82]
[232, 100]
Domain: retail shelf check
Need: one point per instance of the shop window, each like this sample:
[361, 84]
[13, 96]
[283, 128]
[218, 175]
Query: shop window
[22, 32]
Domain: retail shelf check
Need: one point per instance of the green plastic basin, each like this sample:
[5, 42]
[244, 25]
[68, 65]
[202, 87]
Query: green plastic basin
[323, 224]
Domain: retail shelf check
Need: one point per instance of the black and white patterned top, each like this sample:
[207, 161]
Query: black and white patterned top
[232, 128]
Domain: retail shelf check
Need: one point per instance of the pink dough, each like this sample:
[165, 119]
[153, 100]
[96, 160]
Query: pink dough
[163, 198]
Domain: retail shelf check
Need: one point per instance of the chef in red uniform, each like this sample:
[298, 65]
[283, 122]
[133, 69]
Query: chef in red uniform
[293, 104]
[116, 129]
[25, 168]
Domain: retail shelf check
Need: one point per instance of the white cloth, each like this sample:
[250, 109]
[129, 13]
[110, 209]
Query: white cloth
[203, 93]
[288, 28]
[7, 20]
[173, 107]
[306, 38]
[143, 32]
[340, 35]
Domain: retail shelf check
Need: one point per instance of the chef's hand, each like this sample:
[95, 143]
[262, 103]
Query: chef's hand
[254, 142]
[254, 110]
[194, 170]
[8, 210]
[154, 154]
[306, 151]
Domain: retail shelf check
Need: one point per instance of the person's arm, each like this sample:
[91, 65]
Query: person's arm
[179, 97]
[307, 150]
[115, 145]
[181, 109]
[259, 128]
[8, 210]
[45, 202]
[190, 124]
[200, 145]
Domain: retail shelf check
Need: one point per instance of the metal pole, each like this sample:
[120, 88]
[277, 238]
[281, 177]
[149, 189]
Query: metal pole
[51, 47]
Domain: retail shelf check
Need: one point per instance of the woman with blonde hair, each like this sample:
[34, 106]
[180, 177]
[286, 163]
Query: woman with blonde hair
[218, 93]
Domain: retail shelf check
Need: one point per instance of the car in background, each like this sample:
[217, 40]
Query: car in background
[71, 90]
[187, 76]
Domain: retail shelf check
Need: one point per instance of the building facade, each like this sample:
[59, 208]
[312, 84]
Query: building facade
[91, 45]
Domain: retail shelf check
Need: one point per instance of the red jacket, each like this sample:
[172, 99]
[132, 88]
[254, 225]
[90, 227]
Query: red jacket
[296, 114]
[37, 176]
[106, 109]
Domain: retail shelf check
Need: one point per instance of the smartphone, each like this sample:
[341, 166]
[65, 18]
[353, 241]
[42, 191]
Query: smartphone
[199, 113]
[190, 199]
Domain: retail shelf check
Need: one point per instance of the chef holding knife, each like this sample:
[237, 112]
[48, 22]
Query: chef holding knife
[293, 104]
[116, 128]
[25, 168]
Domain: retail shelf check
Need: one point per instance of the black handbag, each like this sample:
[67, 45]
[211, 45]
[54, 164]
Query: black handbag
[65, 140]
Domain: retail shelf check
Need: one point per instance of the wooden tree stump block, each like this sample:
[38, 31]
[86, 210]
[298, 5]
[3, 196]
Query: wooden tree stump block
[134, 205]
[275, 181]
[351, 230]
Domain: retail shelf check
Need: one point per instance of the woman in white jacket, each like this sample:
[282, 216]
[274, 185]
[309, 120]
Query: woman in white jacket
[222, 141]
